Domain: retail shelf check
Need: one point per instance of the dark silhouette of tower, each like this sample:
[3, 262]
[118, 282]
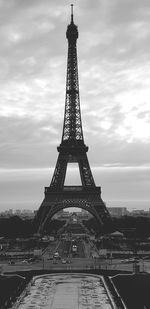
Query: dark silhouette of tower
[72, 149]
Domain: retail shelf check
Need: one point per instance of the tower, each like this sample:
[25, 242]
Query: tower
[72, 149]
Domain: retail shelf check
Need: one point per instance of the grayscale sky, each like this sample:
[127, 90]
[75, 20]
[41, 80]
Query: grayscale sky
[114, 75]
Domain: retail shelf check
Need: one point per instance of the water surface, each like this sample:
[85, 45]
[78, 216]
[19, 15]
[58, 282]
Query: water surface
[66, 291]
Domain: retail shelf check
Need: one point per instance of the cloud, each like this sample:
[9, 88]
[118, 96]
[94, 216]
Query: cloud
[113, 56]
[23, 141]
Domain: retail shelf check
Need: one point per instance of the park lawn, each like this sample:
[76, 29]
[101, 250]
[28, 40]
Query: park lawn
[9, 288]
[134, 290]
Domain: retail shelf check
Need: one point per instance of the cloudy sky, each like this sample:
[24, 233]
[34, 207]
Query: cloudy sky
[114, 74]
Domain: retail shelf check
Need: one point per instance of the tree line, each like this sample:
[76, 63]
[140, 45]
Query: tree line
[15, 226]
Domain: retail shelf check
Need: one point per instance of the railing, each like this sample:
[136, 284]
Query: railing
[73, 189]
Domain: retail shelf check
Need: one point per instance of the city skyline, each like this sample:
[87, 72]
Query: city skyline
[113, 58]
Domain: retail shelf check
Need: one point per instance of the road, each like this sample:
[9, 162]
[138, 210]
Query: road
[76, 264]
[84, 257]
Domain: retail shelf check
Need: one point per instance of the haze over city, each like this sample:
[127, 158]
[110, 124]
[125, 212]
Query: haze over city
[114, 77]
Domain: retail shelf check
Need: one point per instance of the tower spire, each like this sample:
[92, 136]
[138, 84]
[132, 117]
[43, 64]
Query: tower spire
[71, 13]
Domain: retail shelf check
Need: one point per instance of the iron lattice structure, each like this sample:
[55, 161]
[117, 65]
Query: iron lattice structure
[72, 149]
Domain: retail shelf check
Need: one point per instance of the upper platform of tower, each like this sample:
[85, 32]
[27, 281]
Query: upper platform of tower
[72, 30]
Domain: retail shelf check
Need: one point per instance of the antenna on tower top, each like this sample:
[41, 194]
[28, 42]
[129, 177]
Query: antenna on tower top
[71, 13]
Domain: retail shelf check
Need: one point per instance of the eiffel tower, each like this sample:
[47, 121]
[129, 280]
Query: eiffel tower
[72, 149]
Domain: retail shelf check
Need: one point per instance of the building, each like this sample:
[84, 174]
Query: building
[117, 211]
